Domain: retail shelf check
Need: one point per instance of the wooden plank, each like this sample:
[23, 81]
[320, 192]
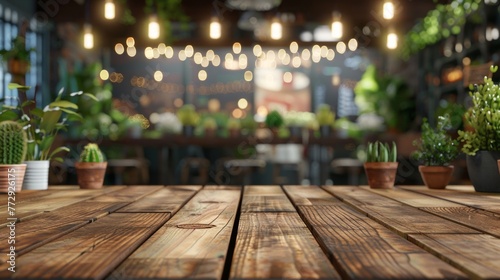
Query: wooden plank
[90, 252]
[361, 248]
[49, 200]
[166, 200]
[265, 199]
[129, 194]
[478, 255]
[278, 246]
[192, 244]
[310, 195]
[397, 216]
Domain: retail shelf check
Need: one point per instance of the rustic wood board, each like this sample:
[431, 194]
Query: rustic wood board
[129, 194]
[481, 220]
[192, 244]
[478, 255]
[166, 200]
[278, 246]
[49, 226]
[265, 199]
[363, 249]
[90, 252]
[486, 201]
[309, 195]
[50, 200]
[397, 216]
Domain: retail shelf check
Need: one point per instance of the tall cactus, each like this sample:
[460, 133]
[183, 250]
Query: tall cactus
[13, 143]
[91, 153]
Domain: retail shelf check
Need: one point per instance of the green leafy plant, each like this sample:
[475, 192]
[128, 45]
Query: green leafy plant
[325, 115]
[187, 115]
[18, 50]
[274, 119]
[381, 152]
[209, 123]
[296, 118]
[233, 123]
[42, 125]
[436, 147]
[13, 142]
[248, 125]
[91, 153]
[483, 117]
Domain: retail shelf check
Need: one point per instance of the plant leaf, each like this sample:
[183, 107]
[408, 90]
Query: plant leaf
[64, 104]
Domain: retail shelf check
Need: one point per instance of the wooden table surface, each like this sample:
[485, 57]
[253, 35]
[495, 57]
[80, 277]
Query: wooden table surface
[251, 232]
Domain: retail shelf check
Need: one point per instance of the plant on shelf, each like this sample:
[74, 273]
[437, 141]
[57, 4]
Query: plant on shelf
[13, 146]
[381, 164]
[248, 125]
[325, 118]
[209, 126]
[234, 127]
[481, 143]
[436, 150]
[188, 117]
[296, 121]
[274, 120]
[17, 57]
[91, 168]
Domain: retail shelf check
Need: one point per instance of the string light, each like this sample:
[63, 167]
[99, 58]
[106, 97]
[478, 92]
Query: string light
[392, 40]
[153, 28]
[109, 9]
[276, 29]
[337, 28]
[88, 37]
[388, 10]
[215, 28]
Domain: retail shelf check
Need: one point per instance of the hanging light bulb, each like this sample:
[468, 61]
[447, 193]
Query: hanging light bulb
[215, 28]
[109, 9]
[276, 29]
[88, 37]
[153, 28]
[388, 10]
[392, 40]
[337, 28]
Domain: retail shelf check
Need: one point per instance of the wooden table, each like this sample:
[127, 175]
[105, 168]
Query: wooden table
[265, 232]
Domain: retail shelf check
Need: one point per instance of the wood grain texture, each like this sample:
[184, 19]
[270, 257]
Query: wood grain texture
[166, 200]
[397, 216]
[177, 251]
[363, 249]
[278, 246]
[309, 195]
[90, 252]
[265, 199]
[478, 255]
[129, 194]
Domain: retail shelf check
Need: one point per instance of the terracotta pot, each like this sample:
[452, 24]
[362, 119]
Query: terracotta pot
[12, 177]
[381, 175]
[90, 174]
[436, 177]
[18, 67]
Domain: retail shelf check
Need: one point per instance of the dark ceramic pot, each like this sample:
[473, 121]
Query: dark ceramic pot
[483, 171]
[188, 130]
[295, 131]
[325, 130]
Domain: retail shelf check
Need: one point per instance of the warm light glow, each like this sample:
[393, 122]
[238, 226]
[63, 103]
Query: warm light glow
[248, 76]
[189, 50]
[178, 102]
[88, 37]
[202, 75]
[294, 47]
[153, 28]
[296, 61]
[388, 10]
[158, 76]
[392, 41]
[257, 50]
[236, 48]
[262, 111]
[109, 9]
[198, 57]
[204, 62]
[337, 28]
[353, 44]
[169, 52]
[216, 60]
[119, 49]
[210, 55]
[242, 61]
[276, 30]
[306, 54]
[330, 55]
[182, 55]
[130, 42]
[131, 51]
[104, 74]
[341, 47]
[287, 77]
[161, 48]
[336, 79]
[237, 113]
[148, 52]
[242, 103]
[215, 28]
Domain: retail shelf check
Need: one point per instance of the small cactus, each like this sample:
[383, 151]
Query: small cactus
[13, 143]
[381, 152]
[91, 153]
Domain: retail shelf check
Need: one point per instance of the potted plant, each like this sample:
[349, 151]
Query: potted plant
[481, 143]
[189, 118]
[296, 121]
[326, 118]
[381, 165]
[234, 127]
[42, 128]
[209, 127]
[17, 58]
[91, 168]
[13, 146]
[436, 150]
[274, 120]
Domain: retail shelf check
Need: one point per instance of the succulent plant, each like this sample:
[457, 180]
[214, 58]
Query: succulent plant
[13, 143]
[325, 115]
[483, 117]
[436, 147]
[91, 153]
[274, 119]
[381, 152]
[187, 115]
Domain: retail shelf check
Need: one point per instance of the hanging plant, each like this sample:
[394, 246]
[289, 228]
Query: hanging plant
[444, 21]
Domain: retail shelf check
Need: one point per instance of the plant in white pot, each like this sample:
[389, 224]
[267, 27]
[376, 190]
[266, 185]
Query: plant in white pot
[42, 126]
[436, 149]
[13, 148]
[481, 143]
[91, 168]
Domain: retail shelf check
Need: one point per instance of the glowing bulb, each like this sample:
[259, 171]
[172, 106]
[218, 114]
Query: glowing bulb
[154, 28]
[337, 28]
[109, 9]
[88, 37]
[392, 41]
[388, 10]
[276, 30]
[215, 28]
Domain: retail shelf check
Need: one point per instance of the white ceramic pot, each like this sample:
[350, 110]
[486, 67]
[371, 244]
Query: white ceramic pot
[37, 175]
